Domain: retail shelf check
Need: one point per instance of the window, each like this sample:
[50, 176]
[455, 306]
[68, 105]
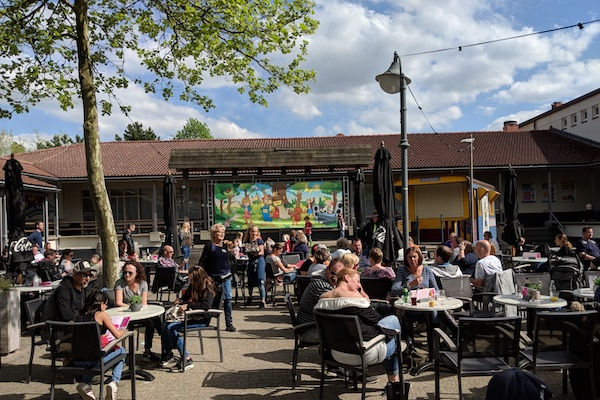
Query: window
[595, 111]
[573, 119]
[567, 191]
[563, 123]
[528, 193]
[584, 116]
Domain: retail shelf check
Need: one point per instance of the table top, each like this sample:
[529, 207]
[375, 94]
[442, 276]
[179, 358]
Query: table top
[149, 311]
[149, 261]
[543, 302]
[449, 303]
[530, 260]
[584, 293]
[23, 289]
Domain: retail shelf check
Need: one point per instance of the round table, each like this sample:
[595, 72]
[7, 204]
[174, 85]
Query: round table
[584, 293]
[448, 303]
[522, 260]
[544, 303]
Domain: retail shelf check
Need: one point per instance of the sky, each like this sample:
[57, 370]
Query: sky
[472, 90]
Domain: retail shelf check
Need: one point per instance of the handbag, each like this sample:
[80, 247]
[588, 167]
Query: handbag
[175, 314]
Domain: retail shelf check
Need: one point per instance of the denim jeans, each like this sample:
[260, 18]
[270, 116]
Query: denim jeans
[170, 338]
[185, 251]
[390, 364]
[116, 371]
[256, 277]
[289, 276]
[227, 306]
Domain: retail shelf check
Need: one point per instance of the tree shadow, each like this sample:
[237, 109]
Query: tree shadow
[265, 334]
[269, 318]
[285, 356]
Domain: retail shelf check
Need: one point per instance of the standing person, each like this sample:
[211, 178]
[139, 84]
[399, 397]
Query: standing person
[132, 283]
[341, 225]
[199, 295]
[186, 239]
[36, 235]
[216, 259]
[368, 231]
[587, 248]
[95, 310]
[129, 228]
[254, 247]
[308, 228]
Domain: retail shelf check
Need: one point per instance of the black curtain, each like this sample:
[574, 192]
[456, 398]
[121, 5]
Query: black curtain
[388, 239]
[359, 200]
[512, 230]
[170, 214]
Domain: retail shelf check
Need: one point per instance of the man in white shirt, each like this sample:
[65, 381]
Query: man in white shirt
[487, 265]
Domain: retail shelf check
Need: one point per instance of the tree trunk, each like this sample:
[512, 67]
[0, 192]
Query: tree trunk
[93, 155]
[229, 199]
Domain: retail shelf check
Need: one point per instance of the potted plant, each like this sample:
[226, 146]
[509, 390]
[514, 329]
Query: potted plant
[534, 290]
[10, 317]
[135, 303]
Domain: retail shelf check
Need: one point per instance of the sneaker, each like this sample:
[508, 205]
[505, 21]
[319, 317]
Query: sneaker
[111, 391]
[167, 360]
[150, 356]
[187, 364]
[230, 328]
[85, 391]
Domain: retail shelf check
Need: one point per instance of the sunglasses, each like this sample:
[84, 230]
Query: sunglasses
[128, 273]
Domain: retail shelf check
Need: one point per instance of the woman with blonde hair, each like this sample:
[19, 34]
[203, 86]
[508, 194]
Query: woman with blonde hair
[566, 248]
[350, 260]
[301, 245]
[254, 247]
[186, 239]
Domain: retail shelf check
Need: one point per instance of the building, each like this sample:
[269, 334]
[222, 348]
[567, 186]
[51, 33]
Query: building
[208, 170]
[580, 116]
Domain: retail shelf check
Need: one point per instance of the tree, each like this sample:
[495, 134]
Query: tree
[194, 129]
[56, 141]
[136, 131]
[76, 49]
[8, 144]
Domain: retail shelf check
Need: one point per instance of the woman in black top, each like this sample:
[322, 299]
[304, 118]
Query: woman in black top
[566, 248]
[199, 295]
[94, 309]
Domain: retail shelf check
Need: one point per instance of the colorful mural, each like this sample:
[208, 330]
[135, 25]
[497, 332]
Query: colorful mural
[277, 205]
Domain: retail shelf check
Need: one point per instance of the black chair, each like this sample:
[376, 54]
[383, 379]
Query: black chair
[85, 345]
[342, 334]
[477, 363]
[566, 272]
[272, 272]
[166, 281]
[590, 277]
[299, 342]
[460, 288]
[215, 313]
[540, 278]
[376, 288]
[35, 325]
[300, 285]
[576, 351]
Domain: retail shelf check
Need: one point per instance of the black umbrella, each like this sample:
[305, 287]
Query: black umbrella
[359, 200]
[388, 240]
[20, 254]
[170, 213]
[512, 230]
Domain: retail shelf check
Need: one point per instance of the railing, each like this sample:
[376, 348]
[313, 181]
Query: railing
[554, 220]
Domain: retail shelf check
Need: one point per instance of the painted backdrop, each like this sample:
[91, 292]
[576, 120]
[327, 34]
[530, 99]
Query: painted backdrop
[278, 205]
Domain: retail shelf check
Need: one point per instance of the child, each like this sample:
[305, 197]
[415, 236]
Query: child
[308, 229]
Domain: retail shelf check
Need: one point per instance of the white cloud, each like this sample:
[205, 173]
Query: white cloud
[487, 110]
[520, 116]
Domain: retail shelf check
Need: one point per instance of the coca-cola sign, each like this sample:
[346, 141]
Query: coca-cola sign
[19, 251]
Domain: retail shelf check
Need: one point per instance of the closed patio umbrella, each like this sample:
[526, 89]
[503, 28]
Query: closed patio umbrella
[512, 230]
[20, 254]
[359, 199]
[170, 213]
[389, 240]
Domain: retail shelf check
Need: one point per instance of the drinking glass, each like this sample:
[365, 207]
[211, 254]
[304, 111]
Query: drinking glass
[441, 295]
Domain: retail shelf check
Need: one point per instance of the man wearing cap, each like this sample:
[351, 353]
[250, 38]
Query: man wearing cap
[69, 296]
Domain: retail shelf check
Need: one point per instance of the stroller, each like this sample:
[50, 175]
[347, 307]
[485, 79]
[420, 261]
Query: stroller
[566, 272]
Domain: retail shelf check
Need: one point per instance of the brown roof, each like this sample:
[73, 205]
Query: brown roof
[427, 151]
[29, 168]
[562, 106]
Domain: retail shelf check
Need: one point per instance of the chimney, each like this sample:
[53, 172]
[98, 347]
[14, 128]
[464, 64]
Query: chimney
[340, 135]
[510, 126]
[556, 104]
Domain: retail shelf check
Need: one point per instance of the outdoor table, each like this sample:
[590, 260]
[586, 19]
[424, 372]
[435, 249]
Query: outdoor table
[428, 262]
[584, 293]
[147, 312]
[523, 260]
[25, 289]
[447, 304]
[532, 306]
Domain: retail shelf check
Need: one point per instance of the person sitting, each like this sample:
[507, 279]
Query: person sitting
[122, 250]
[47, 267]
[357, 248]
[133, 283]
[301, 245]
[303, 270]
[413, 274]
[467, 259]
[96, 265]
[95, 310]
[318, 285]
[487, 266]
[349, 298]
[65, 265]
[132, 255]
[442, 267]
[566, 248]
[587, 248]
[199, 295]
[269, 246]
[321, 257]
[454, 246]
[166, 260]
[451, 237]
[487, 235]
[518, 249]
[68, 298]
[350, 260]
[376, 270]
[37, 256]
[289, 273]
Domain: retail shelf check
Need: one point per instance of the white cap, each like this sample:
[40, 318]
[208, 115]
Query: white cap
[339, 253]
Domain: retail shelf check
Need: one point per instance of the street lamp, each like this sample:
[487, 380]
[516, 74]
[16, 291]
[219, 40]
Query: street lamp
[470, 141]
[394, 81]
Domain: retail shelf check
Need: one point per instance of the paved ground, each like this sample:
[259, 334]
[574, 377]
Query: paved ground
[257, 366]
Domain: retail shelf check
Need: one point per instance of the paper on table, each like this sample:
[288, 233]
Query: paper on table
[421, 293]
[119, 323]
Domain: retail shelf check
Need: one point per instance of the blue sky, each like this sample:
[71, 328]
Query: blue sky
[472, 90]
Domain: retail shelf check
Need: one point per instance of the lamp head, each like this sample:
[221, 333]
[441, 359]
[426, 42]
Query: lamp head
[468, 140]
[390, 80]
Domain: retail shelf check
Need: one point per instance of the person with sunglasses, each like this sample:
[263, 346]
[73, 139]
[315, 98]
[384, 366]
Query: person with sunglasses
[133, 283]
[67, 300]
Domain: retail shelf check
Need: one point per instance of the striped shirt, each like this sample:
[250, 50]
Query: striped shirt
[310, 298]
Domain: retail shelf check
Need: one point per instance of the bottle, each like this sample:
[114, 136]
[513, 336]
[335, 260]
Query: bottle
[36, 281]
[553, 292]
[405, 294]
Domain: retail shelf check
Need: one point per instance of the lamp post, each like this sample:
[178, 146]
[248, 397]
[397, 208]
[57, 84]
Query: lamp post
[470, 141]
[394, 81]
